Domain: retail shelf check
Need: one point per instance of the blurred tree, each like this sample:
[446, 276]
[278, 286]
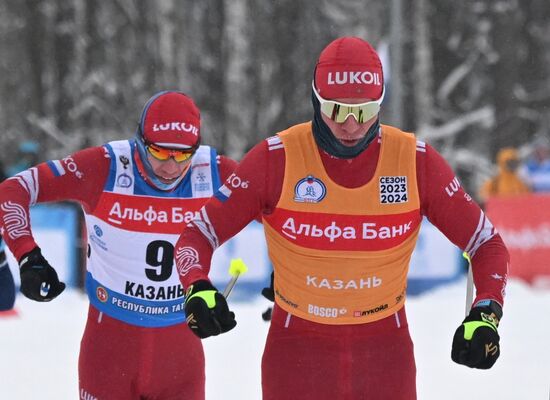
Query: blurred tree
[468, 77]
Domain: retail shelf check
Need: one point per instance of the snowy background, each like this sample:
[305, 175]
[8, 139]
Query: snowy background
[468, 77]
[39, 349]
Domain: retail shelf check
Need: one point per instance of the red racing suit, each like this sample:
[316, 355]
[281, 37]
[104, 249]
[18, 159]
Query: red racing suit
[136, 343]
[308, 359]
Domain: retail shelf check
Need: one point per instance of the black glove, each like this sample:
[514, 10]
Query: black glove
[476, 341]
[39, 280]
[268, 292]
[207, 310]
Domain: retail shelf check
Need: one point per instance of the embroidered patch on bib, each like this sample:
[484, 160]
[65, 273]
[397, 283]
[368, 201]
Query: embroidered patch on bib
[309, 190]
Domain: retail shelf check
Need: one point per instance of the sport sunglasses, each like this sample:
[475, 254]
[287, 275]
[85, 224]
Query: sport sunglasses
[164, 154]
[339, 112]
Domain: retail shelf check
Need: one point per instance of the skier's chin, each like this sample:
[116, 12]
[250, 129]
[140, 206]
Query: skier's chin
[349, 142]
[167, 180]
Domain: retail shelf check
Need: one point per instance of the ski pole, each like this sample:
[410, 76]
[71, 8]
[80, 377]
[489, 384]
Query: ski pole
[237, 267]
[469, 284]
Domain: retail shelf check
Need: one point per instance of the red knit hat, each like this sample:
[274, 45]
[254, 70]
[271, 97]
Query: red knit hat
[349, 67]
[172, 120]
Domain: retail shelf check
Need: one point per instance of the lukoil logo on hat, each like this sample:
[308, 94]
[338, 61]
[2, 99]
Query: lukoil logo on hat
[349, 67]
[172, 120]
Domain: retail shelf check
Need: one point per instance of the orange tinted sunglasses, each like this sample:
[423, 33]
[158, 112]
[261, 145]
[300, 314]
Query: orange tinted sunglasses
[163, 154]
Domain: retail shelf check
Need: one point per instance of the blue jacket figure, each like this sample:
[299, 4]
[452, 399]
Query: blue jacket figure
[28, 155]
[7, 285]
[537, 166]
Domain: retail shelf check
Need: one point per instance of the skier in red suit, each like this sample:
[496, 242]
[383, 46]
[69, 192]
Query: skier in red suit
[135, 195]
[342, 198]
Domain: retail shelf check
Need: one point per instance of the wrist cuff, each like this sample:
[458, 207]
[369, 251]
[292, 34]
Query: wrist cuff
[492, 305]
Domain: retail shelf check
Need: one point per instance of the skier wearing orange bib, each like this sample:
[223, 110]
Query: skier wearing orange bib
[342, 199]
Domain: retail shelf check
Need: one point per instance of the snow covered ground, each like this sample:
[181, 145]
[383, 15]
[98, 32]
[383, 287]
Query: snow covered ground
[39, 349]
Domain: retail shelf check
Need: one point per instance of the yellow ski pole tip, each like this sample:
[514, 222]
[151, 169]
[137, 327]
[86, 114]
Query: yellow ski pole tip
[237, 267]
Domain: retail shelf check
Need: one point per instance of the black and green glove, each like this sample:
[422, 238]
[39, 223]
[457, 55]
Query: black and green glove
[207, 310]
[476, 341]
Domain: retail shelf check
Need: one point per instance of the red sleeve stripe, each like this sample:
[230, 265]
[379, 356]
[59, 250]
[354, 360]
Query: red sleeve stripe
[29, 180]
[274, 143]
[484, 231]
[273, 140]
[206, 228]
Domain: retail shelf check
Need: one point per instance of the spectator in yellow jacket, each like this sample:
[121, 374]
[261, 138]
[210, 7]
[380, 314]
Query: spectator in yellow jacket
[506, 182]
